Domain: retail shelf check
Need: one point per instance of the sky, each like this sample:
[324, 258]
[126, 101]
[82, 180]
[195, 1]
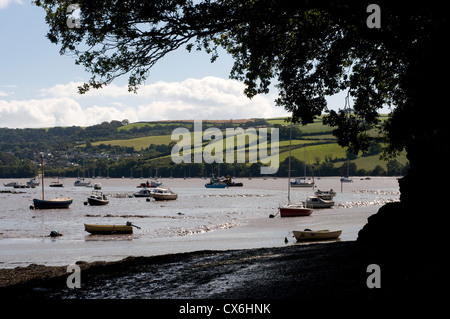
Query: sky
[38, 86]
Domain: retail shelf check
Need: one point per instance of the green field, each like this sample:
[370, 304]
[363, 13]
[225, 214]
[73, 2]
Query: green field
[316, 144]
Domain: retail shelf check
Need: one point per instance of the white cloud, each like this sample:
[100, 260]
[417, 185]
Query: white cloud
[206, 98]
[5, 3]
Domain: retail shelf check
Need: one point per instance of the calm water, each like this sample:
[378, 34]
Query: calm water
[200, 218]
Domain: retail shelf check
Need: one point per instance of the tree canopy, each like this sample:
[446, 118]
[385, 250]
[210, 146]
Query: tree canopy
[310, 49]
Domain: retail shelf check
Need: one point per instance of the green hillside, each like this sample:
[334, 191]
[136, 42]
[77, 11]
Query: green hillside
[317, 146]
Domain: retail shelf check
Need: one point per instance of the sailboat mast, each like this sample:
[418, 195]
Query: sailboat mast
[289, 166]
[42, 174]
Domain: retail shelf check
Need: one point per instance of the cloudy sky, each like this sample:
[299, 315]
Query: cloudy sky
[38, 87]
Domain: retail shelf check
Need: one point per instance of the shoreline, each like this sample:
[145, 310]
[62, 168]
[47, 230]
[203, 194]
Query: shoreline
[317, 272]
[248, 234]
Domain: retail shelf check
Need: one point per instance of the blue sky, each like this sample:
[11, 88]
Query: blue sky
[38, 87]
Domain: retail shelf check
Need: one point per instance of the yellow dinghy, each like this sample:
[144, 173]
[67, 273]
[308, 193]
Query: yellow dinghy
[310, 235]
[109, 229]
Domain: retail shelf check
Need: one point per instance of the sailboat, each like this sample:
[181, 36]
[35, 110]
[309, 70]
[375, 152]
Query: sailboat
[347, 179]
[302, 181]
[291, 209]
[50, 203]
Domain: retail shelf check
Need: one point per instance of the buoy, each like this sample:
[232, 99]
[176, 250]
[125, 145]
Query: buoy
[85, 203]
[54, 233]
[31, 207]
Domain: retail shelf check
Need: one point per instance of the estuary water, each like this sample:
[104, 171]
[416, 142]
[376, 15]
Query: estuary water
[200, 219]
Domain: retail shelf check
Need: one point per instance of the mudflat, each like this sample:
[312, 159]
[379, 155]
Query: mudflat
[330, 271]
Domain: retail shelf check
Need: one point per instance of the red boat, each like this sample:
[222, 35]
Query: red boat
[292, 210]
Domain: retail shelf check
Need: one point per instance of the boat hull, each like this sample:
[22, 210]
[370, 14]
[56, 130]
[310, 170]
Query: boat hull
[108, 229]
[165, 196]
[318, 202]
[52, 203]
[215, 186]
[294, 211]
[309, 235]
[97, 201]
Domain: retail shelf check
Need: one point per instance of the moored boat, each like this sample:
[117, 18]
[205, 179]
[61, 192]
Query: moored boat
[294, 210]
[302, 182]
[325, 194]
[215, 183]
[54, 203]
[311, 235]
[291, 209]
[152, 183]
[143, 193]
[82, 182]
[346, 179]
[317, 202]
[109, 229]
[10, 184]
[163, 194]
[97, 199]
[33, 182]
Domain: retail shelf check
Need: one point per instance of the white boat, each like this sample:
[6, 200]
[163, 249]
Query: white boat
[11, 184]
[317, 202]
[33, 182]
[163, 194]
[97, 186]
[143, 193]
[346, 179]
[152, 183]
[311, 235]
[302, 182]
[325, 194]
[97, 199]
[82, 182]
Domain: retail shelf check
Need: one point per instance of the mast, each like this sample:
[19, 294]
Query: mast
[289, 166]
[42, 174]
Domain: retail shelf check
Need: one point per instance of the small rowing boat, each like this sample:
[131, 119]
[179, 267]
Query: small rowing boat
[109, 229]
[310, 235]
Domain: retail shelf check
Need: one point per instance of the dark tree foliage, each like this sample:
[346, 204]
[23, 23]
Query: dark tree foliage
[309, 48]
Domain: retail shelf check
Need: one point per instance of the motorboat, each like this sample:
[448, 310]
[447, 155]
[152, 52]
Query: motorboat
[163, 194]
[33, 183]
[228, 181]
[97, 186]
[97, 199]
[56, 184]
[294, 210]
[302, 182]
[346, 179]
[152, 183]
[318, 202]
[325, 194]
[312, 235]
[143, 193]
[215, 183]
[82, 182]
[10, 184]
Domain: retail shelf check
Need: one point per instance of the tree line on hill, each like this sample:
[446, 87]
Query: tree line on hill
[20, 148]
